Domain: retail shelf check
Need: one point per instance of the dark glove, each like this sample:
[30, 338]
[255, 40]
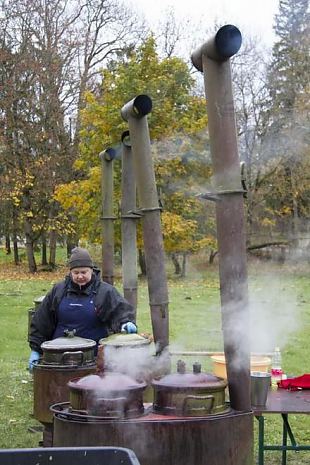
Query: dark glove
[33, 359]
[128, 327]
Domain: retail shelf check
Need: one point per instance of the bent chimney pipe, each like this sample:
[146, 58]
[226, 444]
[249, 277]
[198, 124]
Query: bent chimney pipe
[129, 218]
[135, 113]
[212, 58]
[107, 157]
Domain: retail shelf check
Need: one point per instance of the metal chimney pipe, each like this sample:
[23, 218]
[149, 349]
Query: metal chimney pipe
[213, 59]
[107, 218]
[129, 218]
[135, 113]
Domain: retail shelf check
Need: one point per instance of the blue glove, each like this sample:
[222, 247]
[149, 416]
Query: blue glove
[34, 357]
[129, 328]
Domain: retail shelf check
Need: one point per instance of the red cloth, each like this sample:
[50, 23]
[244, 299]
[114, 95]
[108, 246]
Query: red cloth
[300, 382]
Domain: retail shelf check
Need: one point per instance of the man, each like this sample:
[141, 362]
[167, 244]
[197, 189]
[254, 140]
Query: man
[81, 302]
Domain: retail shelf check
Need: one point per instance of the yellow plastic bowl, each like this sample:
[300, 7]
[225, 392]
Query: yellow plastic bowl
[258, 363]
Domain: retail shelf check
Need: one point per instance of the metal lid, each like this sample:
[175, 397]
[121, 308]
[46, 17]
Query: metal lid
[190, 380]
[38, 300]
[68, 343]
[124, 339]
[107, 382]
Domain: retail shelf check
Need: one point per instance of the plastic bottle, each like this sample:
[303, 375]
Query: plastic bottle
[276, 367]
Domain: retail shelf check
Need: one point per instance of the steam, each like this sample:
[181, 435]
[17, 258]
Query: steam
[274, 314]
[139, 363]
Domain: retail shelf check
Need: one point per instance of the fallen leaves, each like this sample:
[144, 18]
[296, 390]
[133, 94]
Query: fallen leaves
[11, 272]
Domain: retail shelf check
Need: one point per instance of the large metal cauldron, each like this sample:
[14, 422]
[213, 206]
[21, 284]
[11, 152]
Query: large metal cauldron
[176, 436]
[63, 358]
[108, 395]
[190, 394]
[132, 355]
[127, 354]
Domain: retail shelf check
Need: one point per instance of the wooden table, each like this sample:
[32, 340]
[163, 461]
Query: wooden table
[283, 402]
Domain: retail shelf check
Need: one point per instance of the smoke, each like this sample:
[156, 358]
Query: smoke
[274, 313]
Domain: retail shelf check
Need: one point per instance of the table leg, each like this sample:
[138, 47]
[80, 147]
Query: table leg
[261, 425]
[284, 438]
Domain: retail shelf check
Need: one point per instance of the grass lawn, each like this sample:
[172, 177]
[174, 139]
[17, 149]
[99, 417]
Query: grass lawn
[280, 315]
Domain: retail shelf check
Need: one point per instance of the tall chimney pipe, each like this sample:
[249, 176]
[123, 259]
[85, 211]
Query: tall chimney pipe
[135, 113]
[212, 58]
[107, 157]
[129, 218]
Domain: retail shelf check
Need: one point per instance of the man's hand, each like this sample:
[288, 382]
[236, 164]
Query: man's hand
[129, 328]
[34, 357]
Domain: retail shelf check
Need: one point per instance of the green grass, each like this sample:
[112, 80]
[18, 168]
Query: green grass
[281, 293]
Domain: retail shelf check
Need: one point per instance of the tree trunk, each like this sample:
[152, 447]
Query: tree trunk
[142, 263]
[15, 242]
[8, 244]
[16, 255]
[295, 222]
[212, 256]
[175, 261]
[53, 242]
[30, 247]
[72, 242]
[44, 256]
[184, 262]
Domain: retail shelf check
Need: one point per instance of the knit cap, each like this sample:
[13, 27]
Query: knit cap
[79, 258]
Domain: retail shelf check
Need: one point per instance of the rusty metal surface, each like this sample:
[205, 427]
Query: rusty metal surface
[50, 386]
[283, 401]
[129, 228]
[152, 233]
[162, 440]
[107, 268]
[223, 45]
[230, 222]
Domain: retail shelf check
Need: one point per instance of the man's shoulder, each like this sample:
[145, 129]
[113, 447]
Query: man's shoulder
[60, 286]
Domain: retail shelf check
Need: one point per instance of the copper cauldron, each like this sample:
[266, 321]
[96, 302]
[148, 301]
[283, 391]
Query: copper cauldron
[109, 395]
[63, 359]
[190, 394]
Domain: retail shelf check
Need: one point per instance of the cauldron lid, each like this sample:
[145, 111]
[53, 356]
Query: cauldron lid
[68, 343]
[124, 339]
[191, 381]
[38, 300]
[106, 382]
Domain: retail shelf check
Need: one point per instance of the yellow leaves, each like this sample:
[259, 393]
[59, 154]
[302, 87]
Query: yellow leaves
[285, 210]
[15, 199]
[178, 233]
[268, 222]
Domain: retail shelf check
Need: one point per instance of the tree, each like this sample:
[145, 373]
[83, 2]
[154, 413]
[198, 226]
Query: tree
[271, 138]
[51, 51]
[176, 113]
[288, 86]
[289, 68]
[250, 94]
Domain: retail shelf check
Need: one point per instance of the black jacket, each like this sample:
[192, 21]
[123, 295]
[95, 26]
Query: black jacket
[112, 309]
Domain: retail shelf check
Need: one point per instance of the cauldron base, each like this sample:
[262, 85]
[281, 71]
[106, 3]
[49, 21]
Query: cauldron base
[167, 440]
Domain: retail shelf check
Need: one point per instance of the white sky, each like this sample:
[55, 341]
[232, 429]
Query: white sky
[251, 16]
